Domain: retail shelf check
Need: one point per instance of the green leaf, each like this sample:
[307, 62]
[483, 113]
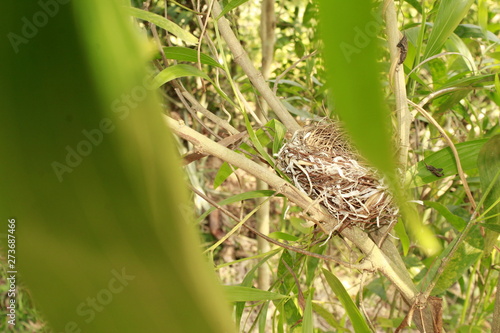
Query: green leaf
[475, 81]
[279, 131]
[468, 152]
[298, 112]
[456, 221]
[183, 70]
[403, 236]
[350, 30]
[256, 142]
[308, 320]
[187, 54]
[247, 294]
[329, 318]
[357, 320]
[475, 31]
[489, 169]
[225, 171]
[283, 235]
[248, 281]
[492, 226]
[176, 71]
[449, 15]
[163, 23]
[230, 6]
[465, 256]
[456, 44]
[482, 15]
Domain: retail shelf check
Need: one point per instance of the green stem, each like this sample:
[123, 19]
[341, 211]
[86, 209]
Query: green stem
[420, 41]
[468, 294]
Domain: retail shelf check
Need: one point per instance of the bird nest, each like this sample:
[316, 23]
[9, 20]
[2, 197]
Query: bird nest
[322, 163]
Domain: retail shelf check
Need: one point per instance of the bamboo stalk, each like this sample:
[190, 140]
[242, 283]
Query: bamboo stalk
[397, 77]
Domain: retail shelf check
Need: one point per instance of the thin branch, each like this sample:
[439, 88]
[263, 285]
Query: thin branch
[242, 59]
[199, 108]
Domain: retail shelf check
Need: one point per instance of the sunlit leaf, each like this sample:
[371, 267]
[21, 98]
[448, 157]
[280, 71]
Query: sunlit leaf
[450, 14]
[358, 321]
[164, 24]
[350, 53]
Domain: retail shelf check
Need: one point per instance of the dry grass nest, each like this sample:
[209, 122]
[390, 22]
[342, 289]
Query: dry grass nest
[322, 163]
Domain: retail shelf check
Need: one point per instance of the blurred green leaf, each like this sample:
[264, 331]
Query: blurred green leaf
[349, 30]
[164, 24]
[283, 235]
[416, 4]
[449, 15]
[103, 218]
[358, 321]
[247, 294]
[492, 226]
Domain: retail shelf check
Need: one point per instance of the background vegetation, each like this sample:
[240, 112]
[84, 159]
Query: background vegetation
[320, 59]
